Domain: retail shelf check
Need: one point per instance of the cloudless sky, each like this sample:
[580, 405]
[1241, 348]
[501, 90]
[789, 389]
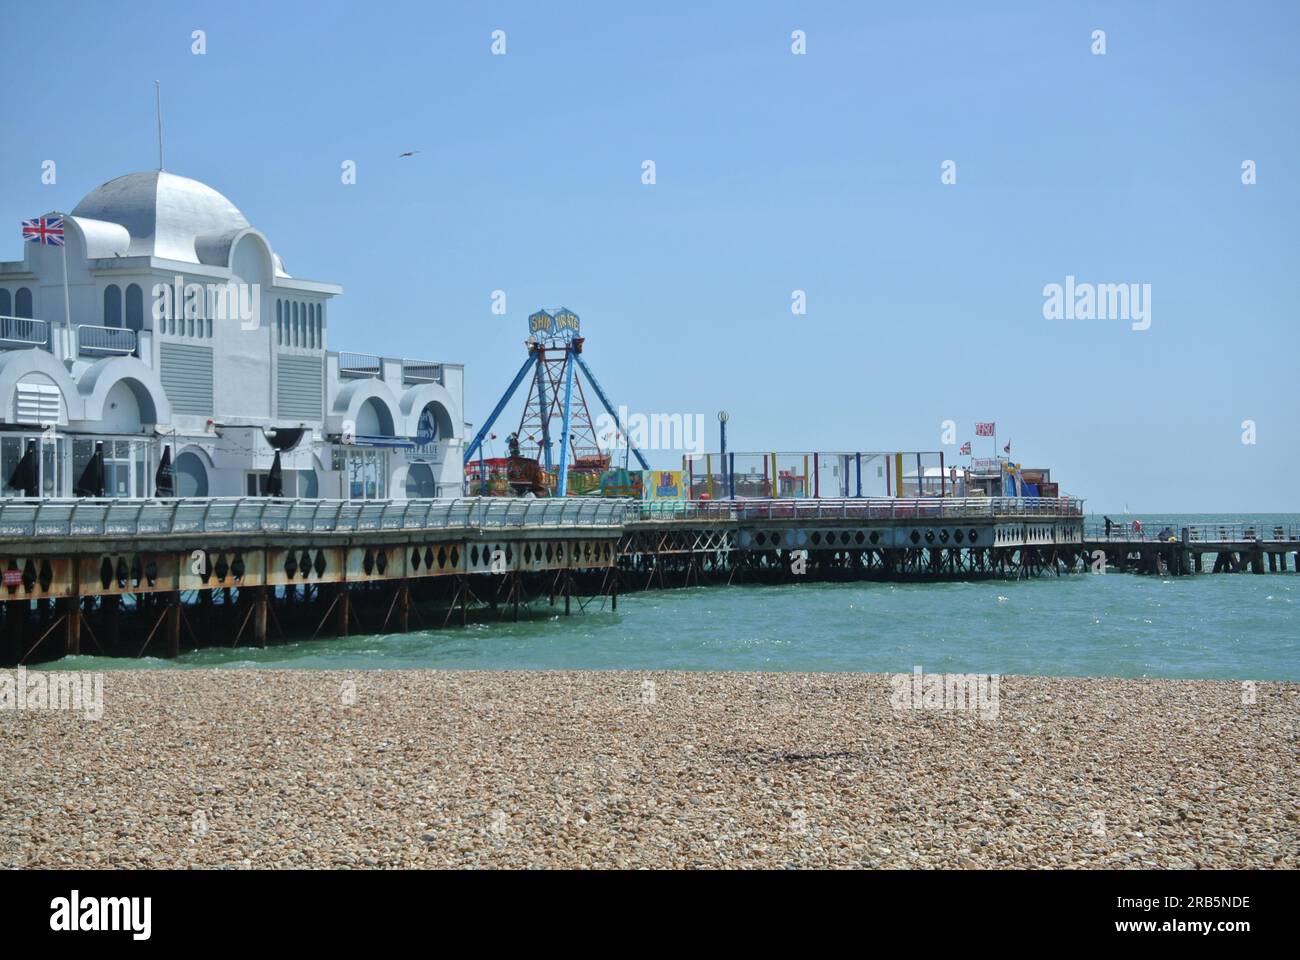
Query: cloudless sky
[775, 173]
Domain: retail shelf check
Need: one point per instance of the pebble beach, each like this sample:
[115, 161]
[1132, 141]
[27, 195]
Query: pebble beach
[258, 769]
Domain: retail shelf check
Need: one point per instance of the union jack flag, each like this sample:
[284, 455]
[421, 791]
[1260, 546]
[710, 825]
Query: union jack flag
[965, 448]
[985, 429]
[47, 231]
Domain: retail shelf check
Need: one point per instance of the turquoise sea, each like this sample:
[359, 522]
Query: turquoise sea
[1211, 626]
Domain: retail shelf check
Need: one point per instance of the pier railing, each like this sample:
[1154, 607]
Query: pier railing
[866, 509]
[135, 517]
[1263, 531]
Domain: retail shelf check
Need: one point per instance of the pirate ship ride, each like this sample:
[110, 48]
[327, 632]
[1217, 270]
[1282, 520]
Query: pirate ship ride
[575, 463]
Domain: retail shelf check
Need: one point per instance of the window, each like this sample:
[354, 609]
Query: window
[293, 327]
[23, 303]
[279, 322]
[112, 305]
[419, 481]
[134, 307]
[365, 472]
[6, 304]
[294, 483]
[190, 476]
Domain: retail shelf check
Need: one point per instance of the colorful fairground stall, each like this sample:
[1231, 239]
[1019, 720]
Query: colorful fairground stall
[816, 474]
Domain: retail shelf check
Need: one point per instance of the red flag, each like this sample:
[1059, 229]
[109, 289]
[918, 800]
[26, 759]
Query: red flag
[985, 429]
[965, 448]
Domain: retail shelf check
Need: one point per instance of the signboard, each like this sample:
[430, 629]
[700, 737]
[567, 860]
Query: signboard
[426, 431]
[567, 323]
[665, 485]
[621, 483]
[13, 578]
[541, 324]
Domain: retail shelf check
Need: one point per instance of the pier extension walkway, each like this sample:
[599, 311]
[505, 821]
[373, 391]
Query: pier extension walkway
[1235, 548]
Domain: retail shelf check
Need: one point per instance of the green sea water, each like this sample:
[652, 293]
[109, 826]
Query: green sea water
[1211, 626]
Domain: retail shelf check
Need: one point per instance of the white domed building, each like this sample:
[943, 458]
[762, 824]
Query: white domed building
[189, 339]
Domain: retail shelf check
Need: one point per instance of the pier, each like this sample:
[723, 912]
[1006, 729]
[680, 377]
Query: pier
[1234, 547]
[157, 577]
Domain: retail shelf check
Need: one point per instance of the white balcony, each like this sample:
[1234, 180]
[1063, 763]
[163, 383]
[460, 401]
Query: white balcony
[21, 333]
[95, 341]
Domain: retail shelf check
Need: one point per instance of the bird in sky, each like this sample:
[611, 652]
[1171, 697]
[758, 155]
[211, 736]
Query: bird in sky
[408, 153]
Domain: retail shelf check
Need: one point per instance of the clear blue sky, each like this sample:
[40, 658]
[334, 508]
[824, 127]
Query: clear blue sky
[775, 173]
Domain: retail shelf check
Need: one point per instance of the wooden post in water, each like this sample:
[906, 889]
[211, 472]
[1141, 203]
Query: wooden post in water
[344, 613]
[173, 625]
[72, 637]
[260, 605]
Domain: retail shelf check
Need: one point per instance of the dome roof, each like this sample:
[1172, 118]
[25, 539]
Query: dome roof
[167, 216]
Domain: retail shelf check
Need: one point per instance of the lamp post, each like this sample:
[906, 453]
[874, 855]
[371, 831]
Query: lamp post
[723, 417]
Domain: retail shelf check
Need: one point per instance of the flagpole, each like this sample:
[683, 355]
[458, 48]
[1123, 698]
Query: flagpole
[67, 302]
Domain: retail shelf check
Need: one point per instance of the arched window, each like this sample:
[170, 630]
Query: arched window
[279, 322]
[112, 305]
[23, 303]
[191, 476]
[209, 328]
[134, 307]
[295, 323]
[5, 303]
[311, 326]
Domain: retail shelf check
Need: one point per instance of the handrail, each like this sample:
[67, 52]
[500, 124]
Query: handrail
[107, 517]
[886, 508]
[24, 331]
[113, 341]
[125, 517]
[1237, 531]
[358, 365]
[421, 371]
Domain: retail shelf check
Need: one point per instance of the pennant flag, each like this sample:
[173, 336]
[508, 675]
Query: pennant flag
[985, 429]
[47, 231]
[965, 448]
[1007, 448]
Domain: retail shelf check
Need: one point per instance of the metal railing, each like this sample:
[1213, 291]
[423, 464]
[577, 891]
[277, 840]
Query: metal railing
[933, 508]
[26, 518]
[21, 518]
[23, 332]
[359, 365]
[105, 341]
[1235, 532]
[421, 371]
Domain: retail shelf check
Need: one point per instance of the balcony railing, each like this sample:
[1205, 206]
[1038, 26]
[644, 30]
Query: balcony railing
[17, 333]
[358, 365]
[105, 341]
[421, 371]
